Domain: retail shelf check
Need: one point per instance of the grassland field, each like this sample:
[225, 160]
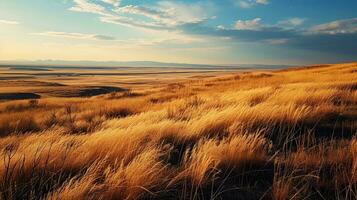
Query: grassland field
[159, 133]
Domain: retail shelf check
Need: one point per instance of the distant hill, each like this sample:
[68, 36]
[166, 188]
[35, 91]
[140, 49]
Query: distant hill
[105, 64]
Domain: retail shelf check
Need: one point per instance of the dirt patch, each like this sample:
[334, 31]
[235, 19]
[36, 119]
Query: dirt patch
[18, 96]
[88, 92]
[81, 91]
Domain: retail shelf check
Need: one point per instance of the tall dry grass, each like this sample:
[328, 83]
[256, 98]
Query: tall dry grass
[259, 135]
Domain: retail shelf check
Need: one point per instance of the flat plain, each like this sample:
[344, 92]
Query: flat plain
[178, 133]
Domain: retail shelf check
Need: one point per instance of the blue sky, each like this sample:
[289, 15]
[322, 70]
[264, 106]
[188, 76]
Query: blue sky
[186, 31]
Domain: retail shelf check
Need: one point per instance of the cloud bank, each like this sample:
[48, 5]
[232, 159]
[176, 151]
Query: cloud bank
[74, 35]
[192, 19]
[251, 3]
[9, 22]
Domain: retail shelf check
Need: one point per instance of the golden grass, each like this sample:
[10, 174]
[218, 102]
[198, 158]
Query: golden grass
[354, 156]
[286, 134]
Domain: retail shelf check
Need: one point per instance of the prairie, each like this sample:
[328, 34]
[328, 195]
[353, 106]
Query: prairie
[267, 134]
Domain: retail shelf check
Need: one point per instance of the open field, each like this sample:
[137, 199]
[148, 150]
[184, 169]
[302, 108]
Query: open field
[93, 81]
[179, 133]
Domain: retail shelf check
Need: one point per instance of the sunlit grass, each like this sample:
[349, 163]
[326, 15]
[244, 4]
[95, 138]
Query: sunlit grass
[276, 135]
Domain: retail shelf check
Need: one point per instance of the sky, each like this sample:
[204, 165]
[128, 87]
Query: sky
[183, 31]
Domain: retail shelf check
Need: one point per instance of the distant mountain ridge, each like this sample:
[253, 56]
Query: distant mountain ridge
[106, 64]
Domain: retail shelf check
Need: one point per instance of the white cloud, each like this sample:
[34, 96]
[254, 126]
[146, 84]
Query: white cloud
[139, 10]
[167, 13]
[74, 35]
[115, 3]
[130, 22]
[245, 4]
[346, 26]
[160, 16]
[87, 6]
[277, 41]
[184, 13]
[265, 2]
[251, 3]
[10, 22]
[220, 27]
[163, 15]
[161, 20]
[292, 22]
[253, 24]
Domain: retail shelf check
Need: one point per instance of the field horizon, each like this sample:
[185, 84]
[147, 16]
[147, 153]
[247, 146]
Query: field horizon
[178, 100]
[159, 133]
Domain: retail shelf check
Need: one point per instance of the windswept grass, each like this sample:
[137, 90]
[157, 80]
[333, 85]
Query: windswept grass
[287, 134]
